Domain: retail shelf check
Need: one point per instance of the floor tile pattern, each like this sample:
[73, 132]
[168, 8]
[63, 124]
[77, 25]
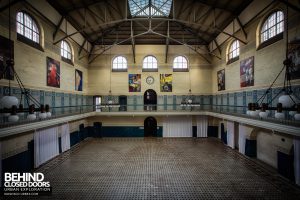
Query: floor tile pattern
[161, 168]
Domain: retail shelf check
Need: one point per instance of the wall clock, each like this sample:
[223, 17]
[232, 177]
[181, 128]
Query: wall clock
[150, 80]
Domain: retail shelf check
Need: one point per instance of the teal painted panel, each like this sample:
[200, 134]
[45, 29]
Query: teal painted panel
[125, 131]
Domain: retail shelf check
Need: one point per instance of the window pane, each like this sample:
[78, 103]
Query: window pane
[234, 50]
[180, 62]
[119, 62]
[66, 50]
[150, 62]
[27, 27]
[272, 26]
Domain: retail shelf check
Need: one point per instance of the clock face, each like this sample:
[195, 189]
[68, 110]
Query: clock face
[149, 80]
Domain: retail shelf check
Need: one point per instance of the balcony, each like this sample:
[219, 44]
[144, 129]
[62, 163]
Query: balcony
[71, 113]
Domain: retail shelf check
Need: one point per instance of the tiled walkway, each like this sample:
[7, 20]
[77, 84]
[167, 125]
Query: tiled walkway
[138, 168]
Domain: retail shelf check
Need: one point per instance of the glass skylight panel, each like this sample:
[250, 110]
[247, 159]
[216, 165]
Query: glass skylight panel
[150, 8]
[162, 7]
[138, 6]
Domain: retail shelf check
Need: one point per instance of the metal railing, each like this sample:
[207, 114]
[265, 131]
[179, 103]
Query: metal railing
[64, 111]
[56, 112]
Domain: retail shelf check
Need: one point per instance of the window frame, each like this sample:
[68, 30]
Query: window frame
[22, 37]
[150, 69]
[119, 69]
[67, 60]
[181, 69]
[276, 37]
[236, 58]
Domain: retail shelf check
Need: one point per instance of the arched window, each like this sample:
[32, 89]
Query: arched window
[233, 51]
[119, 64]
[180, 64]
[272, 26]
[65, 50]
[150, 63]
[27, 27]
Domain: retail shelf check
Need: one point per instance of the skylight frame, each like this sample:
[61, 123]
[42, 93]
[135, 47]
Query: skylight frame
[150, 8]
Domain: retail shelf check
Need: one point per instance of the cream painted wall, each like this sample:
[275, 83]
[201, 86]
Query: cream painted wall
[122, 121]
[19, 143]
[30, 63]
[268, 61]
[137, 120]
[269, 143]
[100, 71]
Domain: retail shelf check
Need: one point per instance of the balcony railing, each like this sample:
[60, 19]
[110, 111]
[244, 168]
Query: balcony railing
[58, 112]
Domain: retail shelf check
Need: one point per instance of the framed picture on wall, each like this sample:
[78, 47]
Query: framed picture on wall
[166, 82]
[78, 80]
[294, 55]
[6, 51]
[247, 72]
[221, 79]
[53, 73]
[134, 82]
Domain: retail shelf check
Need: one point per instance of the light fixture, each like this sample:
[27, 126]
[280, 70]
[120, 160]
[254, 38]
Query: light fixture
[11, 105]
[288, 101]
[13, 117]
[43, 114]
[47, 109]
[31, 116]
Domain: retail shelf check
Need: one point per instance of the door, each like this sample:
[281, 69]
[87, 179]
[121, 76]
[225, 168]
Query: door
[97, 103]
[150, 100]
[123, 103]
[150, 127]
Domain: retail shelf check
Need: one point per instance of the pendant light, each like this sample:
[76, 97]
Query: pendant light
[288, 101]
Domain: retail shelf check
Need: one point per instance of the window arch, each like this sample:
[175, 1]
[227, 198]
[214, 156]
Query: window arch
[27, 27]
[233, 51]
[65, 50]
[272, 26]
[150, 63]
[119, 64]
[180, 63]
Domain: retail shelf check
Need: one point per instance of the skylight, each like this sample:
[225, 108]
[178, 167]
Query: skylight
[150, 8]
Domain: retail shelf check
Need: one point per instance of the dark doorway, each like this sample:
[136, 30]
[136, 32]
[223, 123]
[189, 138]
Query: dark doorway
[150, 100]
[97, 103]
[123, 103]
[223, 134]
[150, 127]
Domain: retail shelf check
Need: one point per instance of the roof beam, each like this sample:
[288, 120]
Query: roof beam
[167, 42]
[81, 47]
[84, 6]
[215, 5]
[91, 51]
[191, 31]
[203, 15]
[109, 11]
[218, 46]
[296, 8]
[95, 14]
[116, 10]
[10, 4]
[242, 27]
[132, 41]
[183, 43]
[159, 19]
[180, 10]
[58, 27]
[189, 6]
[116, 43]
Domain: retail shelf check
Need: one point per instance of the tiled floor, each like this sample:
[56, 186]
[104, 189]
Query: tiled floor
[150, 168]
